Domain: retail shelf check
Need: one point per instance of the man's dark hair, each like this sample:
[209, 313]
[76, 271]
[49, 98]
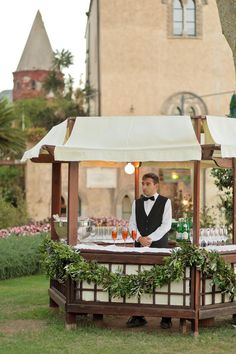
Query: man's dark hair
[151, 175]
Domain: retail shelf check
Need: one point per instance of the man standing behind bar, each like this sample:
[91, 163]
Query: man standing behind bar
[151, 218]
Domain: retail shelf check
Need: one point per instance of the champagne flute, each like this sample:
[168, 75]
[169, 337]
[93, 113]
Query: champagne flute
[134, 234]
[114, 234]
[124, 234]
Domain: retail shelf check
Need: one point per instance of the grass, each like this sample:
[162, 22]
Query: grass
[29, 326]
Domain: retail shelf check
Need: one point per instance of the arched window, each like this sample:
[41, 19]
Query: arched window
[184, 103]
[178, 18]
[190, 22]
[192, 112]
[33, 84]
[18, 85]
[177, 111]
[184, 17]
[126, 207]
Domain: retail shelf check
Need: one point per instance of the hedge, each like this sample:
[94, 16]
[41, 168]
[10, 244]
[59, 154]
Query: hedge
[20, 255]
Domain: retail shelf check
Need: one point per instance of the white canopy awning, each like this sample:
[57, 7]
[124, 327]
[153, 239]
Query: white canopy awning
[121, 139]
[56, 136]
[223, 132]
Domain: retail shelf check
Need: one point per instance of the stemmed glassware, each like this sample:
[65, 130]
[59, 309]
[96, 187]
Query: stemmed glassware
[217, 235]
[125, 234]
[134, 234]
[114, 234]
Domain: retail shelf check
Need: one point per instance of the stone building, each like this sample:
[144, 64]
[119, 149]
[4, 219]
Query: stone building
[147, 57]
[158, 57]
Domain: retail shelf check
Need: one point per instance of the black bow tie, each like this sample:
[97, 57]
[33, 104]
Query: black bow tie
[146, 198]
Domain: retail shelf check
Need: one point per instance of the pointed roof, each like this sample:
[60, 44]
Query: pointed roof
[38, 53]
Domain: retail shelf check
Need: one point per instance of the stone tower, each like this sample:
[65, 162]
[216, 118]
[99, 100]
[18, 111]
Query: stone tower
[35, 63]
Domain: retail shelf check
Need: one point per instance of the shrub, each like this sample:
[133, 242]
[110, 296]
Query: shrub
[20, 256]
[10, 215]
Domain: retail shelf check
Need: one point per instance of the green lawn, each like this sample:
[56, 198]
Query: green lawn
[28, 326]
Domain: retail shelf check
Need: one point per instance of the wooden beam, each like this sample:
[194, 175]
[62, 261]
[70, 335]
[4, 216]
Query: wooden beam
[72, 215]
[223, 163]
[49, 148]
[11, 163]
[43, 158]
[56, 196]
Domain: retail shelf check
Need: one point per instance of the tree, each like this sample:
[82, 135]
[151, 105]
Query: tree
[62, 60]
[12, 140]
[42, 113]
[224, 182]
[56, 81]
[227, 13]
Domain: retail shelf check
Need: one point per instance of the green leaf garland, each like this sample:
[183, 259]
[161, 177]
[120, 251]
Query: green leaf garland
[62, 261]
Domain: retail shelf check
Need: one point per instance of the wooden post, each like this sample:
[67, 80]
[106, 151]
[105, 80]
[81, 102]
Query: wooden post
[196, 203]
[72, 214]
[70, 317]
[196, 228]
[196, 189]
[196, 302]
[136, 181]
[234, 200]
[56, 196]
[55, 209]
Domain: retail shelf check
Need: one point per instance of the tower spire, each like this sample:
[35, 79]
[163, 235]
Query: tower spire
[35, 63]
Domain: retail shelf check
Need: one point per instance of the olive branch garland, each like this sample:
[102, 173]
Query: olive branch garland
[61, 261]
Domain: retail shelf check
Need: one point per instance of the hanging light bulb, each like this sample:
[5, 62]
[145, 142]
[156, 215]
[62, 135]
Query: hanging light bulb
[129, 168]
[174, 175]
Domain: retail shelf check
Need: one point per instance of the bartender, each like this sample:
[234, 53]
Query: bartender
[151, 217]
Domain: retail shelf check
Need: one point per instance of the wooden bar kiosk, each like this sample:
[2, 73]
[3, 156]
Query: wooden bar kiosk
[122, 139]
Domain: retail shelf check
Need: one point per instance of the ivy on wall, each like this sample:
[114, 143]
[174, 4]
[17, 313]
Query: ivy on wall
[62, 261]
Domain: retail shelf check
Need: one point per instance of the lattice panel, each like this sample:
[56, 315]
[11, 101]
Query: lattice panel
[173, 294]
[210, 294]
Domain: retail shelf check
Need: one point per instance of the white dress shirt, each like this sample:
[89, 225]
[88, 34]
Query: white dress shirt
[166, 219]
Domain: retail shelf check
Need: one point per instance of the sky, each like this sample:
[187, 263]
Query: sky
[65, 23]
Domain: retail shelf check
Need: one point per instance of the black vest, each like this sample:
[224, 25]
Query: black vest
[147, 224]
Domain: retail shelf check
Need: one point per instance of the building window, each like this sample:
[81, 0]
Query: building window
[184, 18]
[18, 86]
[33, 84]
[178, 18]
[177, 111]
[190, 22]
[184, 103]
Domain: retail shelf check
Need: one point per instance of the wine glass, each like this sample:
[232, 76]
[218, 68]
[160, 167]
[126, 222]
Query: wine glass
[225, 232]
[134, 234]
[124, 234]
[114, 234]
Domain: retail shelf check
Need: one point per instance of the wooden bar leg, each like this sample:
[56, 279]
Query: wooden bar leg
[196, 327]
[53, 304]
[234, 318]
[183, 326]
[192, 325]
[70, 321]
[97, 317]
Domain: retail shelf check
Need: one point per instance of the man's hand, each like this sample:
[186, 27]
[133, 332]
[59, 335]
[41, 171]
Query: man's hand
[145, 241]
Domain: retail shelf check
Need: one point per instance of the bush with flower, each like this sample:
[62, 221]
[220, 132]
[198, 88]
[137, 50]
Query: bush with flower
[26, 230]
